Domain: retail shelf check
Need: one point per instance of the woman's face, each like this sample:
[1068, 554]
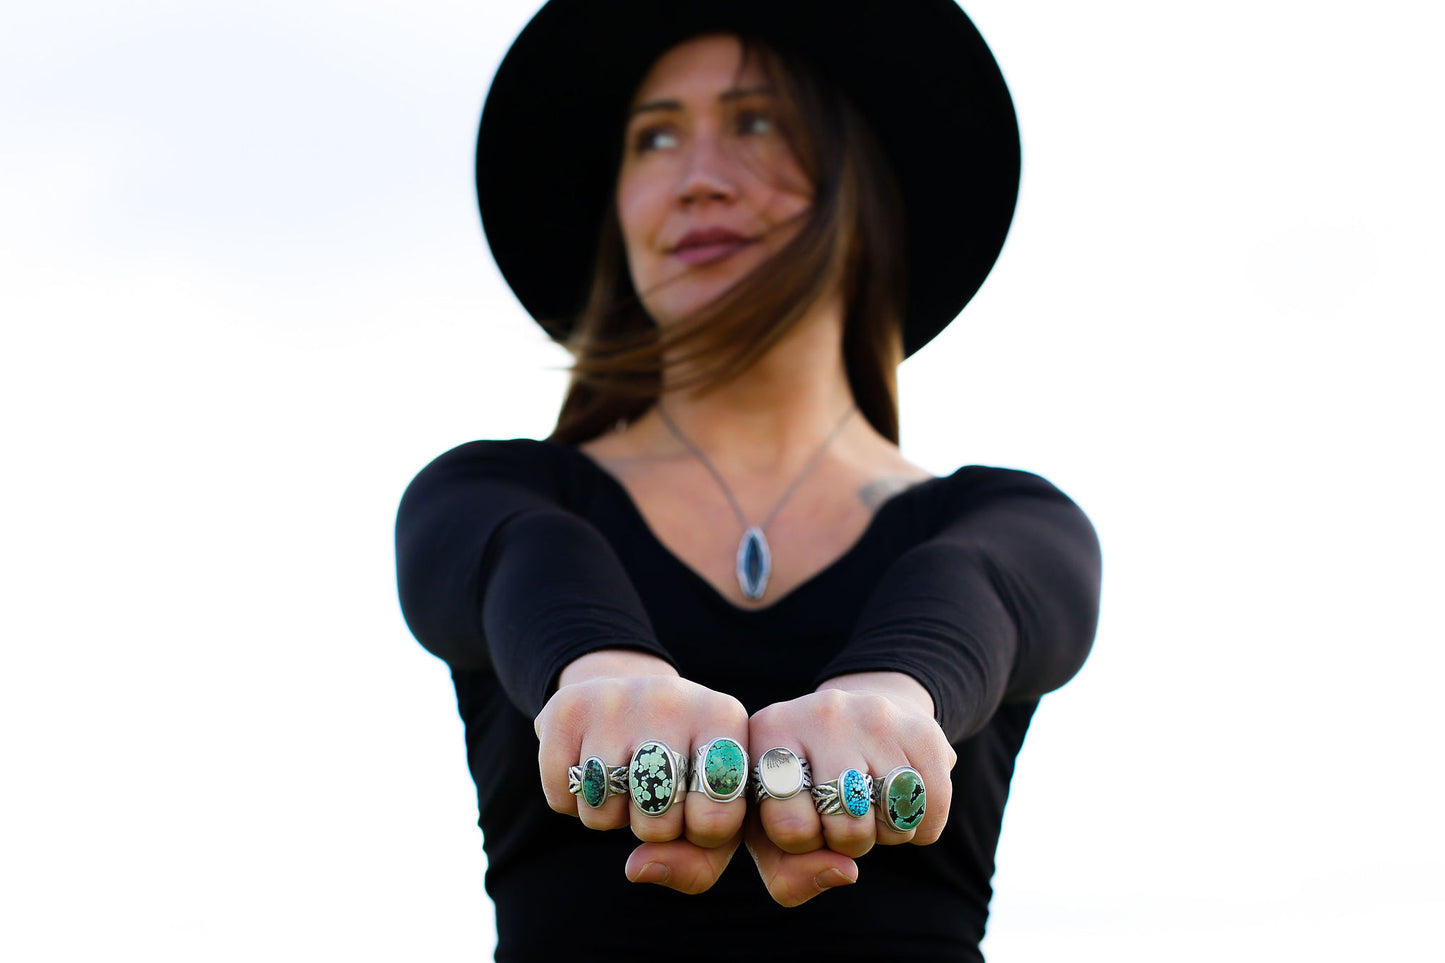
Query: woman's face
[709, 187]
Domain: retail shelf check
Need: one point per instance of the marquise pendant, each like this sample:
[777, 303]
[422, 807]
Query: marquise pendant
[755, 563]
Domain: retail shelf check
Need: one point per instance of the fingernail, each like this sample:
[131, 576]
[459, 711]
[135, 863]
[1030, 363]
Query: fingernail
[829, 878]
[652, 873]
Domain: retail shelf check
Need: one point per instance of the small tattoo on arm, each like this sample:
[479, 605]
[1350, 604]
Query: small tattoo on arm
[876, 492]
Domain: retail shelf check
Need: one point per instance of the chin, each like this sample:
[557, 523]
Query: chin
[690, 292]
[672, 306]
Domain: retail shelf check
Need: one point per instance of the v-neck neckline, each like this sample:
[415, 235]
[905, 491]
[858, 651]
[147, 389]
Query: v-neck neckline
[870, 532]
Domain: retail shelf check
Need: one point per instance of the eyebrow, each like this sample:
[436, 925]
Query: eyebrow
[737, 93]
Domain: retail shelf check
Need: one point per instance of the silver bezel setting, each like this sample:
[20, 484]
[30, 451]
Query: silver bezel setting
[676, 760]
[699, 783]
[780, 757]
[828, 796]
[882, 784]
[615, 783]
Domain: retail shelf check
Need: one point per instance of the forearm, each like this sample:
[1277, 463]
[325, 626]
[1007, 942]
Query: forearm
[1001, 604]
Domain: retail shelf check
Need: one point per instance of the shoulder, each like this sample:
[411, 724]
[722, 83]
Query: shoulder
[522, 463]
[515, 457]
[975, 489]
[973, 482]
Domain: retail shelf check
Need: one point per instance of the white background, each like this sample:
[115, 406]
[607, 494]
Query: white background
[245, 297]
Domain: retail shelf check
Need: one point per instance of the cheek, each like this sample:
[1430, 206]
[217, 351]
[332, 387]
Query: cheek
[635, 216]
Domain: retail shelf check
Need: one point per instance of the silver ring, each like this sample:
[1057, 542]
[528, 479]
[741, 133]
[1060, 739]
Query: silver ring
[900, 799]
[594, 781]
[656, 777]
[780, 774]
[720, 769]
[850, 794]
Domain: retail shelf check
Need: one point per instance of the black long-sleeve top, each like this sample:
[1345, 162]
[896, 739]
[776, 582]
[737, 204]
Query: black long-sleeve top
[515, 558]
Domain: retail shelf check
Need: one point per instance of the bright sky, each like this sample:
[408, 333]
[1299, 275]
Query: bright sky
[245, 298]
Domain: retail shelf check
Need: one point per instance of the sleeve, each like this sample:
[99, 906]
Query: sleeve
[493, 572]
[1001, 604]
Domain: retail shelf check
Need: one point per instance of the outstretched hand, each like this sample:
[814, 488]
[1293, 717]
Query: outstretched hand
[608, 703]
[871, 722]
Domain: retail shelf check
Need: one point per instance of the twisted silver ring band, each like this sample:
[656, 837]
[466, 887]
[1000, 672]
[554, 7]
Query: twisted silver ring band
[593, 781]
[851, 794]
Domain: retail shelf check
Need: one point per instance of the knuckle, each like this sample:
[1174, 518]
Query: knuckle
[654, 830]
[830, 707]
[710, 826]
[793, 834]
[853, 838]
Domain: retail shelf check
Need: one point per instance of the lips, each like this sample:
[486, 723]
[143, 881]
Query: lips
[709, 244]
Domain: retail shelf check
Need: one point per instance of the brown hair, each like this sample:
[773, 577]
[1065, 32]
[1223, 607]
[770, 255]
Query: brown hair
[851, 234]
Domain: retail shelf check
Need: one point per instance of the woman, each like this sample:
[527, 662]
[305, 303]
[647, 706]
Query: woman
[720, 569]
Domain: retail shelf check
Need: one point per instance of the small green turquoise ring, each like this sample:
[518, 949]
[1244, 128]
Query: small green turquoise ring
[900, 799]
[594, 781]
[720, 770]
[656, 778]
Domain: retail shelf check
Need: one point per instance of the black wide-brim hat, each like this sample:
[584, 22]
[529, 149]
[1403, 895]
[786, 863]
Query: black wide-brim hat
[917, 70]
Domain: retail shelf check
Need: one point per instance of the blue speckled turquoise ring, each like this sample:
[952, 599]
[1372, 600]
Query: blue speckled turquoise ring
[594, 781]
[900, 799]
[720, 770]
[656, 778]
[851, 794]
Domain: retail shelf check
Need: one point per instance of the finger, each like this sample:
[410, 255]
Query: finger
[680, 865]
[721, 770]
[612, 813]
[787, 813]
[852, 830]
[657, 780]
[556, 751]
[794, 878]
[940, 799]
[567, 733]
[906, 802]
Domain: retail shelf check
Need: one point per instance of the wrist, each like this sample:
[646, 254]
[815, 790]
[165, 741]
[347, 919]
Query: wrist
[900, 688]
[612, 664]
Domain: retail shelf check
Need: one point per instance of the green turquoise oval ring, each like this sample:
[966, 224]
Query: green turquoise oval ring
[901, 799]
[593, 781]
[720, 770]
[655, 778]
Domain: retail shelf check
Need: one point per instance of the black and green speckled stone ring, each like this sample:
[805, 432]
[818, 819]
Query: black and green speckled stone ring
[900, 799]
[720, 770]
[594, 781]
[656, 778]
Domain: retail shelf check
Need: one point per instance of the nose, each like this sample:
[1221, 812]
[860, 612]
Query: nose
[707, 175]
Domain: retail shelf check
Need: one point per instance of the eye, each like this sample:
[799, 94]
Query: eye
[657, 137]
[755, 122]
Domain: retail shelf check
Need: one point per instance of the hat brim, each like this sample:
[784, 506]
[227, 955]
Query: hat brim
[918, 71]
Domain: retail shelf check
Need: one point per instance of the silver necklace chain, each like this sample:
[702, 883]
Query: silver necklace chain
[754, 564]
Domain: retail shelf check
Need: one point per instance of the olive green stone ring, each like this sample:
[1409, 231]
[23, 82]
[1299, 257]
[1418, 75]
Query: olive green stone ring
[720, 769]
[900, 799]
[594, 781]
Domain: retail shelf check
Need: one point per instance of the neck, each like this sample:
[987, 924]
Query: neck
[774, 415]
